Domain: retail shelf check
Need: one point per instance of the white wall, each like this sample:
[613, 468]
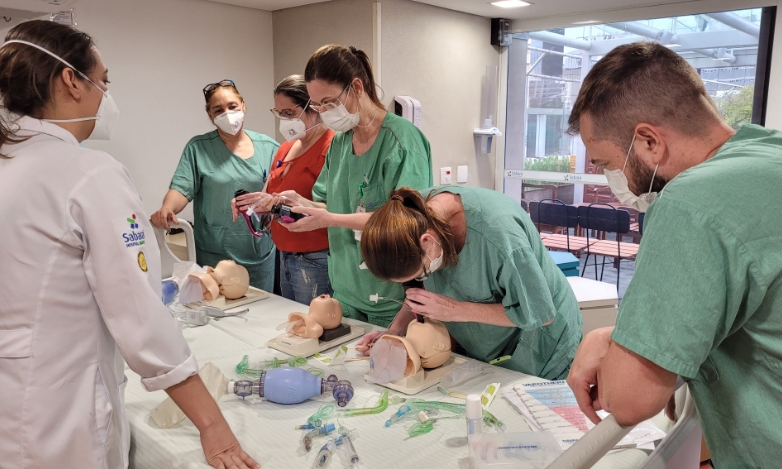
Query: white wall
[439, 57]
[160, 55]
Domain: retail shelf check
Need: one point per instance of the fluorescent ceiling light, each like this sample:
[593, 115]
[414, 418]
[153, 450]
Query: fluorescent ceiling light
[673, 45]
[587, 22]
[510, 4]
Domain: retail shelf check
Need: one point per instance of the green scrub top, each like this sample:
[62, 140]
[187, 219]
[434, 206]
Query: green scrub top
[504, 261]
[208, 175]
[399, 157]
[705, 301]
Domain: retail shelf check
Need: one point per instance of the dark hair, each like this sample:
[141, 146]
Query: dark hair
[27, 73]
[390, 241]
[295, 88]
[340, 65]
[642, 82]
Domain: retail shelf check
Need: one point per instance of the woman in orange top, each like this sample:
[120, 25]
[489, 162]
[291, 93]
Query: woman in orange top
[304, 270]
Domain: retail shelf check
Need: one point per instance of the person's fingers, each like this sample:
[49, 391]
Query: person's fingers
[217, 463]
[583, 392]
[248, 460]
[173, 218]
[237, 462]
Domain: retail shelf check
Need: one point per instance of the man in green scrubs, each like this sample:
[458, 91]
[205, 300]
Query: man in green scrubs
[705, 302]
[400, 156]
[504, 261]
[208, 174]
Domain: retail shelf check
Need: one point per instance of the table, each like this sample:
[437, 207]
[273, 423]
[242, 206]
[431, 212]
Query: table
[265, 429]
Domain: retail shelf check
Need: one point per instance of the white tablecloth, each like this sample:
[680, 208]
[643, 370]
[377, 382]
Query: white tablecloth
[266, 430]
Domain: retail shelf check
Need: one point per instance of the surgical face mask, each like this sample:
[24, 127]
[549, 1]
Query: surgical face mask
[295, 129]
[339, 119]
[617, 181]
[434, 264]
[107, 109]
[230, 122]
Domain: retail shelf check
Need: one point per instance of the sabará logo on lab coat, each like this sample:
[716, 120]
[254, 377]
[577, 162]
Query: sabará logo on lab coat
[134, 238]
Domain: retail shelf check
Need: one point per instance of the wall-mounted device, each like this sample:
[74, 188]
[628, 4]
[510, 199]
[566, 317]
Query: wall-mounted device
[409, 108]
[500, 32]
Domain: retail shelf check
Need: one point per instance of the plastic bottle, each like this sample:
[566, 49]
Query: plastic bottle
[474, 415]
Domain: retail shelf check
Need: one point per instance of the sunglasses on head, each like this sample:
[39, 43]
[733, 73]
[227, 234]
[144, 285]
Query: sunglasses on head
[212, 86]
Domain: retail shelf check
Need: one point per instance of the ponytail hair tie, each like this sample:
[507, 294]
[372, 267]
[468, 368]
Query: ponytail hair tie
[352, 50]
[397, 197]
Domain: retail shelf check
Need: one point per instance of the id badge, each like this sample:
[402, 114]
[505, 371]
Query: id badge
[357, 233]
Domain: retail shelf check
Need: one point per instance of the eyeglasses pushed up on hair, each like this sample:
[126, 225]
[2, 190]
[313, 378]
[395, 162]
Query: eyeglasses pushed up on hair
[212, 86]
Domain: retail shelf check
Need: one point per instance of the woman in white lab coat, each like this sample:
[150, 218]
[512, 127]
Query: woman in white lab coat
[80, 277]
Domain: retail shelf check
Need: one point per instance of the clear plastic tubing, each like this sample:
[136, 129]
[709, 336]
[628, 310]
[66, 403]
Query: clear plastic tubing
[383, 405]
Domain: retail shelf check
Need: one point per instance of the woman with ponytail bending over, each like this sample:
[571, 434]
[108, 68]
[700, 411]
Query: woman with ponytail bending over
[486, 275]
[373, 153]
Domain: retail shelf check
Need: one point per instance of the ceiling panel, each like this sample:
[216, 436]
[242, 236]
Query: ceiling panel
[542, 8]
[269, 5]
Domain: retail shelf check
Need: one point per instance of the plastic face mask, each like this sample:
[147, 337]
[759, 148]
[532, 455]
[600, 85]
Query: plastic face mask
[617, 181]
[108, 112]
[230, 122]
[388, 359]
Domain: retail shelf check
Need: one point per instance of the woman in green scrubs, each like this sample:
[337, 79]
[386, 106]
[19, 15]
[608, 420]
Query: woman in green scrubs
[485, 272]
[214, 166]
[373, 153]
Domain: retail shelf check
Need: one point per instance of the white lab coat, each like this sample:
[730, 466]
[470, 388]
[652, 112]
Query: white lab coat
[74, 301]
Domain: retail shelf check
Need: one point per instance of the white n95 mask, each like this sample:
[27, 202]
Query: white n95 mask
[108, 112]
[230, 122]
[292, 129]
[617, 181]
[339, 119]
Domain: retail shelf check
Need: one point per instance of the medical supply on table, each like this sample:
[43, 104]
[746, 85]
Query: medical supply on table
[491, 421]
[343, 392]
[170, 291]
[533, 450]
[380, 407]
[282, 385]
[344, 444]
[306, 426]
[461, 373]
[326, 411]
[418, 404]
[316, 432]
[404, 410]
[474, 415]
[488, 394]
[218, 313]
[243, 368]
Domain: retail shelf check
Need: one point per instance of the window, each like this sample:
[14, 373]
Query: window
[546, 68]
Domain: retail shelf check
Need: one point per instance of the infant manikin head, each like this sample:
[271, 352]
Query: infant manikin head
[326, 311]
[303, 325]
[431, 340]
[234, 280]
[426, 345]
[209, 286]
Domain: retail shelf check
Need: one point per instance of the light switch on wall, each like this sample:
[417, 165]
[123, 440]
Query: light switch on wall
[445, 175]
[461, 174]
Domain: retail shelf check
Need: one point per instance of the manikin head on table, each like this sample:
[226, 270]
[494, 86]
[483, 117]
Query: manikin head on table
[426, 345]
[325, 313]
[228, 279]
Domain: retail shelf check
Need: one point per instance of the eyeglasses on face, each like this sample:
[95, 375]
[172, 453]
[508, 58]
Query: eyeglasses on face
[212, 86]
[321, 108]
[285, 113]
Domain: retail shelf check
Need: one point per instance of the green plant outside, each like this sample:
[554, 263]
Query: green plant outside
[559, 164]
[736, 107]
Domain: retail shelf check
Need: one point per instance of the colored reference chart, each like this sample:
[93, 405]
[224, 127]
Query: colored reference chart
[557, 397]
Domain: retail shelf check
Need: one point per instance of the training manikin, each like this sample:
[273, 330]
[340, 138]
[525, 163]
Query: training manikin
[426, 344]
[325, 313]
[228, 279]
